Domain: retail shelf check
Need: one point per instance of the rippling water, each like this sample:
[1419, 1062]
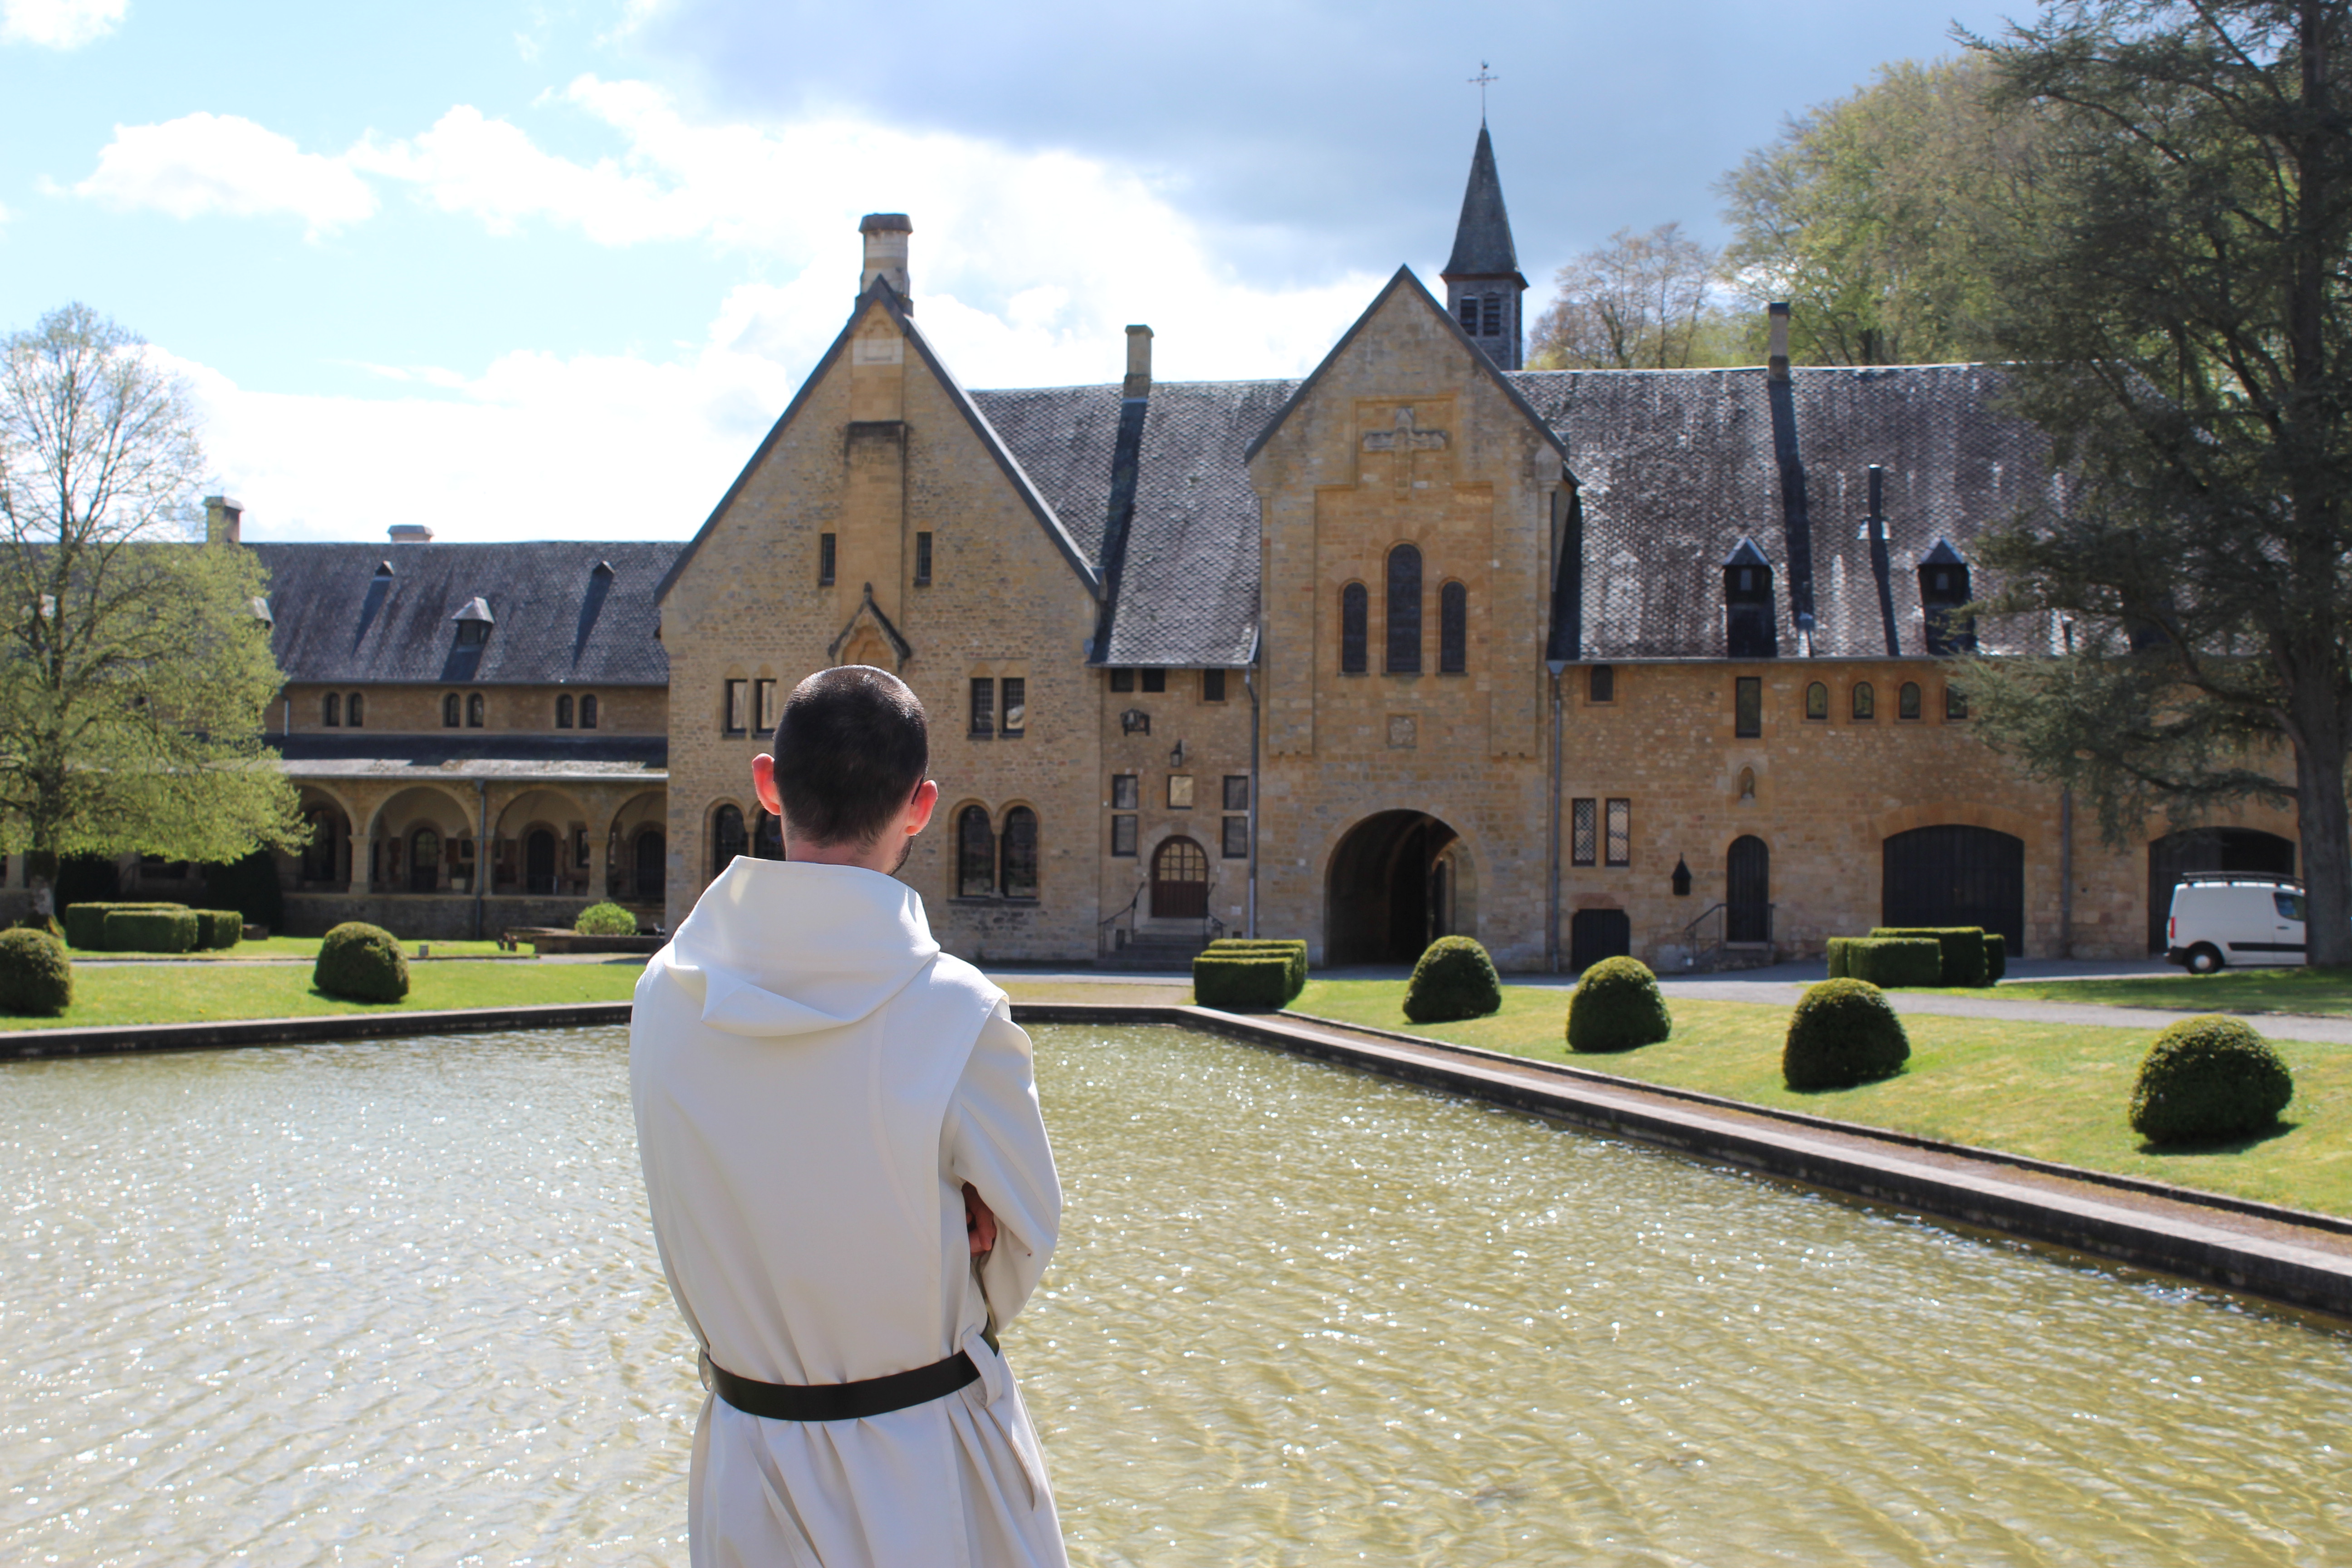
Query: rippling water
[397, 1302]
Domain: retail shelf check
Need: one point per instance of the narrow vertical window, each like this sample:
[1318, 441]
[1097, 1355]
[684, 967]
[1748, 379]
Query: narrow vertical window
[1601, 683]
[449, 711]
[1470, 315]
[1122, 837]
[1155, 680]
[356, 711]
[1237, 792]
[1236, 843]
[1212, 686]
[1866, 701]
[1621, 832]
[588, 711]
[1126, 790]
[1016, 705]
[1020, 853]
[1748, 706]
[1493, 315]
[738, 716]
[922, 560]
[1352, 616]
[1816, 703]
[764, 691]
[975, 854]
[474, 711]
[824, 554]
[1404, 610]
[563, 712]
[983, 705]
[1452, 630]
[1956, 703]
[1583, 836]
[332, 716]
[1906, 701]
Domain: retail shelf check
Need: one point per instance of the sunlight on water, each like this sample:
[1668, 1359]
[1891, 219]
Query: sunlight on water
[396, 1302]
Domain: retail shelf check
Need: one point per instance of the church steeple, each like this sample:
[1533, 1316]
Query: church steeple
[1483, 285]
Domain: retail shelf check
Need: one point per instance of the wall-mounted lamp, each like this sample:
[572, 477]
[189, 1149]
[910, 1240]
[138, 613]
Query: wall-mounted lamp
[1176, 757]
[1134, 722]
[1682, 877]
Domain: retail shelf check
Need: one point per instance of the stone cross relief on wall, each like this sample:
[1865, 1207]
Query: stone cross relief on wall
[1401, 443]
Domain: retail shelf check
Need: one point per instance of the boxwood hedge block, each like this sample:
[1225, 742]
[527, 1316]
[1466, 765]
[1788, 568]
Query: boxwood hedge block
[1837, 956]
[2208, 1079]
[36, 976]
[85, 923]
[1963, 951]
[1241, 982]
[606, 920]
[361, 963]
[219, 930]
[1996, 957]
[150, 931]
[1617, 1005]
[1842, 1033]
[1895, 961]
[1294, 951]
[1454, 979]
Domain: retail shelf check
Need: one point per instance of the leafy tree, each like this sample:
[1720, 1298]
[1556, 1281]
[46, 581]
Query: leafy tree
[1863, 213]
[135, 670]
[2180, 304]
[1642, 301]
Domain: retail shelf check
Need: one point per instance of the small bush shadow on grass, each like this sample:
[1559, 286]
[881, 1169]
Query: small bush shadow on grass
[354, 1002]
[2279, 1128]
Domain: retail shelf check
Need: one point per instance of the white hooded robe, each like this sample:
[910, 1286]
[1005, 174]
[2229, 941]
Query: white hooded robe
[814, 1081]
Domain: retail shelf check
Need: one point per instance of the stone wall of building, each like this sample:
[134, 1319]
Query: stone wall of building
[427, 917]
[405, 709]
[1142, 732]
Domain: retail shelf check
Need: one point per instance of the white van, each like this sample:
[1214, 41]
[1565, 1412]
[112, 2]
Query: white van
[2221, 918]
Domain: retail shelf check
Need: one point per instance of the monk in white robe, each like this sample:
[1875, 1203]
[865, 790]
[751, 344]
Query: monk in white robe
[849, 1178]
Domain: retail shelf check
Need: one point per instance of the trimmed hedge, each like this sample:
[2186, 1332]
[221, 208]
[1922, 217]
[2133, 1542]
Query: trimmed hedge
[1454, 979]
[217, 931]
[1996, 957]
[1241, 982]
[1617, 1005]
[1894, 961]
[1963, 951]
[1842, 1033]
[85, 923]
[2208, 1079]
[1294, 951]
[35, 975]
[150, 931]
[1837, 956]
[606, 920]
[361, 963]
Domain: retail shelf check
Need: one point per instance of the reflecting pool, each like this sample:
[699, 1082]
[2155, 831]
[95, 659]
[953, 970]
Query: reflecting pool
[397, 1302]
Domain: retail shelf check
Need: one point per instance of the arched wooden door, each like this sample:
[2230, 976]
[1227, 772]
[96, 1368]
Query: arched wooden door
[1747, 891]
[1955, 875]
[539, 861]
[1180, 881]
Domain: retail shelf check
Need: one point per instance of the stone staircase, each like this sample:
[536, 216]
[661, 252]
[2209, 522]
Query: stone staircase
[1151, 951]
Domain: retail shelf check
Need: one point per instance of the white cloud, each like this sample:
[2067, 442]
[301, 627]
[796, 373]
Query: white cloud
[58, 23]
[224, 163]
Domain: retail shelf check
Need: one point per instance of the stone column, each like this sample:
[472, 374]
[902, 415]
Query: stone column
[600, 835]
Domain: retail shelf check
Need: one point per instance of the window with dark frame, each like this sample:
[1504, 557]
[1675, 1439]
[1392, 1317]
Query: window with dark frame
[449, 711]
[1212, 686]
[330, 710]
[1817, 703]
[1403, 610]
[1866, 701]
[1019, 854]
[1353, 614]
[563, 712]
[1237, 792]
[1236, 839]
[1122, 680]
[1601, 683]
[1748, 706]
[473, 634]
[737, 718]
[824, 560]
[1621, 832]
[1493, 316]
[1584, 832]
[474, 710]
[1452, 630]
[765, 706]
[1956, 703]
[922, 560]
[983, 706]
[1016, 706]
[588, 711]
[1470, 315]
[1122, 836]
[975, 854]
[1155, 680]
[1906, 701]
[1126, 790]
[356, 711]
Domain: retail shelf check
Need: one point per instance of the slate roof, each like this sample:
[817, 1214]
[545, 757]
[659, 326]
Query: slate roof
[466, 755]
[336, 621]
[1482, 239]
[1675, 467]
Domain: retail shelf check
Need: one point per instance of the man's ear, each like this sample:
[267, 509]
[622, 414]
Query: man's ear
[920, 809]
[763, 784]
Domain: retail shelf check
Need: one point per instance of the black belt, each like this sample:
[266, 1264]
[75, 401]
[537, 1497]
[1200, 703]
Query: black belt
[847, 1401]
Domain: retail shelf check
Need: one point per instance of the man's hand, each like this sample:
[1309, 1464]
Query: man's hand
[979, 1221]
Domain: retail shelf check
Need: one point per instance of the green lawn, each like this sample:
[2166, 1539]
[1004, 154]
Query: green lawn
[181, 994]
[307, 947]
[2048, 1090]
[2325, 991]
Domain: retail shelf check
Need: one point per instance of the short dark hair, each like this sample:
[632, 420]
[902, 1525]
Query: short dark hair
[851, 748]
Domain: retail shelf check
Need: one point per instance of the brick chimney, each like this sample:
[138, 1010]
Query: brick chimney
[1776, 363]
[886, 253]
[1138, 362]
[224, 521]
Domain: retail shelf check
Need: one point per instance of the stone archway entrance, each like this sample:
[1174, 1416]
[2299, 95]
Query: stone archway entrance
[1400, 879]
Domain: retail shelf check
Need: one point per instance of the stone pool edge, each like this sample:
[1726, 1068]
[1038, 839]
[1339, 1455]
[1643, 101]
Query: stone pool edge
[2272, 1253]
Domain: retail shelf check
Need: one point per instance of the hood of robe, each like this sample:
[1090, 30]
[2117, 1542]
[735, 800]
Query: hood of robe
[782, 947]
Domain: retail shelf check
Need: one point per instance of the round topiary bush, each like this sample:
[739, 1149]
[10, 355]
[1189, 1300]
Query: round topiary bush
[361, 963]
[1842, 1033]
[36, 976]
[2208, 1079]
[1454, 979]
[606, 920]
[1616, 1007]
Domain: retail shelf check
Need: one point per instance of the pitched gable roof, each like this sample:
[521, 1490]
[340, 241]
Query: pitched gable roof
[1482, 239]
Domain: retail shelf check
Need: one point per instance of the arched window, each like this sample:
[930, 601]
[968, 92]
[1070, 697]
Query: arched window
[768, 837]
[474, 711]
[1352, 617]
[333, 715]
[1866, 701]
[726, 838]
[449, 711]
[1906, 701]
[355, 709]
[1020, 853]
[563, 712]
[1816, 703]
[1452, 630]
[975, 854]
[588, 711]
[1404, 610]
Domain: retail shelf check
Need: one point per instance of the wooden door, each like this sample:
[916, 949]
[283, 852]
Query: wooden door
[1747, 891]
[1180, 881]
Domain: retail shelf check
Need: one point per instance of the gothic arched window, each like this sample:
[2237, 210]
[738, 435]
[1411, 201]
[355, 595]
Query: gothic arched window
[975, 854]
[333, 714]
[1404, 610]
[588, 711]
[563, 712]
[474, 711]
[1020, 853]
[1452, 630]
[356, 709]
[727, 837]
[1353, 613]
[1906, 701]
[1866, 701]
[449, 711]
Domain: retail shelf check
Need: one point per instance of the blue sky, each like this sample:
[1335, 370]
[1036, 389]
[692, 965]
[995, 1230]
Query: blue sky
[547, 269]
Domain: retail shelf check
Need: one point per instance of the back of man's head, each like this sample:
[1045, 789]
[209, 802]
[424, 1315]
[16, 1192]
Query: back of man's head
[851, 750]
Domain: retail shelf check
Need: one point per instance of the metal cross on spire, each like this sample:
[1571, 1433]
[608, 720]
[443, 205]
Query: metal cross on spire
[1480, 81]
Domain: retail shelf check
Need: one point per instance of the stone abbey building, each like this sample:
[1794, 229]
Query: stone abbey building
[1577, 662]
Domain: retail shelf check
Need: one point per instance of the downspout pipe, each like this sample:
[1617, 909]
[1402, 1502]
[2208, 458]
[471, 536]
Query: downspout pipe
[1551, 825]
[1249, 684]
